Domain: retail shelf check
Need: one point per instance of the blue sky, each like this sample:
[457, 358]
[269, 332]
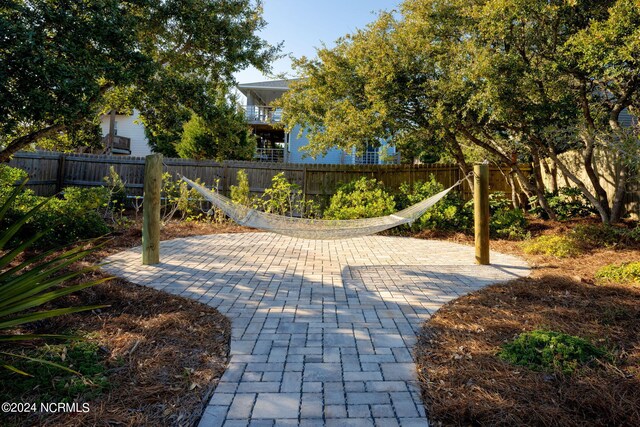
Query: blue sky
[304, 25]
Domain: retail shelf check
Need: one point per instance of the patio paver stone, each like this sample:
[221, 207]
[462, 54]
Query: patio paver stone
[322, 331]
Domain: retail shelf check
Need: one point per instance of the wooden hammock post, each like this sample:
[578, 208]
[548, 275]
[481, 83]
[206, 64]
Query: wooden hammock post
[481, 212]
[151, 209]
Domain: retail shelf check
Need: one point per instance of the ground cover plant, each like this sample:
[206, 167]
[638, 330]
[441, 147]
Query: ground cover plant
[621, 273]
[149, 358]
[574, 338]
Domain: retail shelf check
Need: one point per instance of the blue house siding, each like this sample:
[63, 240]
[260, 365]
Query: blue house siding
[297, 153]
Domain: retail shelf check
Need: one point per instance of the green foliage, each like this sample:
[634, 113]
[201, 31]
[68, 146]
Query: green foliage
[558, 246]
[550, 351]
[285, 198]
[224, 137]
[566, 203]
[449, 213]
[33, 281]
[595, 236]
[620, 273]
[48, 383]
[362, 198]
[503, 76]
[62, 59]
[241, 193]
[508, 224]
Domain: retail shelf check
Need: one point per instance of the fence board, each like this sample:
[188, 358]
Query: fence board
[317, 181]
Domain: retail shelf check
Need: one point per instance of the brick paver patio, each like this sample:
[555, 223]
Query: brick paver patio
[322, 330]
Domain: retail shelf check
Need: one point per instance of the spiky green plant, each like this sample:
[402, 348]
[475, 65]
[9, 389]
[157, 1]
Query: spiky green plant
[30, 283]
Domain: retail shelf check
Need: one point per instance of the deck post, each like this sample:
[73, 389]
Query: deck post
[481, 212]
[151, 209]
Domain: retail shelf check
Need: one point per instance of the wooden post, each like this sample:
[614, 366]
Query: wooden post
[481, 212]
[151, 209]
[112, 130]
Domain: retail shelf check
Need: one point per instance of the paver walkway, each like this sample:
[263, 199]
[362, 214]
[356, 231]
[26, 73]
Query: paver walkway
[322, 330]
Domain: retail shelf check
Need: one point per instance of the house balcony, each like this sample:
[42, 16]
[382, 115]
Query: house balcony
[260, 114]
[121, 144]
[274, 155]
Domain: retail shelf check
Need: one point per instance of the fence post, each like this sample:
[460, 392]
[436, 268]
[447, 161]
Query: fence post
[481, 212]
[60, 173]
[151, 209]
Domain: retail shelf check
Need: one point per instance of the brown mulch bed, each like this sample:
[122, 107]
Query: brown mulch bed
[465, 383]
[164, 353]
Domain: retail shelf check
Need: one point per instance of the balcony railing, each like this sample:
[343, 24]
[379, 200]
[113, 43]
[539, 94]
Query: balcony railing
[368, 158]
[275, 155]
[121, 144]
[262, 114]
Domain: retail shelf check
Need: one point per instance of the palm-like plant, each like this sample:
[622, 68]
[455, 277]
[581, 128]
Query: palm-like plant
[30, 283]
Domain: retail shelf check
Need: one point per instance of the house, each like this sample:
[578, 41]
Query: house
[276, 145]
[129, 137]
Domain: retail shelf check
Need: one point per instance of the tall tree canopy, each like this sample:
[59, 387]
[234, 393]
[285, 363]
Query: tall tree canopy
[63, 61]
[523, 80]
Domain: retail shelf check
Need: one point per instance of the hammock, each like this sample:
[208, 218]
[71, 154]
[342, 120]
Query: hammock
[320, 229]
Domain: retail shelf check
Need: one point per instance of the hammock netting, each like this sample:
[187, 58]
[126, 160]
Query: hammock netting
[320, 229]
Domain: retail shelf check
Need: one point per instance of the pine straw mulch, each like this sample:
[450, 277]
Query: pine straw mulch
[165, 353]
[465, 383]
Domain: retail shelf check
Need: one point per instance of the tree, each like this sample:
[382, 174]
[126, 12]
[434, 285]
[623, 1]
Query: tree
[508, 76]
[219, 139]
[60, 58]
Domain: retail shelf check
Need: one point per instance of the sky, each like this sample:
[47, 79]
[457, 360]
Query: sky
[304, 25]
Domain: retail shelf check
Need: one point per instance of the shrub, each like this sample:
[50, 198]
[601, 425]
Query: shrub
[241, 193]
[178, 199]
[558, 246]
[591, 236]
[449, 213]
[550, 351]
[362, 198]
[34, 281]
[566, 203]
[623, 273]
[508, 224]
[285, 198]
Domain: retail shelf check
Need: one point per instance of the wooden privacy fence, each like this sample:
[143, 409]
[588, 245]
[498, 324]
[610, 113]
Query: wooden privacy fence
[50, 172]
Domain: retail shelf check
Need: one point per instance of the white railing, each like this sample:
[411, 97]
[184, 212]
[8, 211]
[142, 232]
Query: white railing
[275, 155]
[368, 158]
[262, 114]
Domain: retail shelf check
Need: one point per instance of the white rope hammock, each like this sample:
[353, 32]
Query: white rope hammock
[320, 229]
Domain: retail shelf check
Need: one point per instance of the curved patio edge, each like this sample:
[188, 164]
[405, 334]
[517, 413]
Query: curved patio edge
[322, 331]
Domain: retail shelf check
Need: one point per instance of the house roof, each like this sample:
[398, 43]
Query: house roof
[271, 84]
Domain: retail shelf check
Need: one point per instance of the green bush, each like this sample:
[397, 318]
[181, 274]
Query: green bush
[550, 351]
[285, 198]
[362, 198]
[558, 246]
[241, 193]
[594, 236]
[566, 203]
[449, 213]
[621, 273]
[509, 224]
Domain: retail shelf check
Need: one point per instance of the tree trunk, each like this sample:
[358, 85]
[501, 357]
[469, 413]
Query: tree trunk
[456, 150]
[618, 198]
[523, 181]
[19, 143]
[600, 192]
[604, 213]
